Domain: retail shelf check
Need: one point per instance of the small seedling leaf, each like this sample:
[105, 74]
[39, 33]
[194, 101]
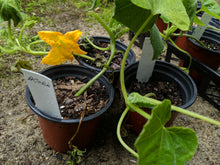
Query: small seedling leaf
[140, 100]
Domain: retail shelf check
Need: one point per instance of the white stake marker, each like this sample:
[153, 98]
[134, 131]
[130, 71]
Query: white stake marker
[42, 90]
[146, 64]
[199, 30]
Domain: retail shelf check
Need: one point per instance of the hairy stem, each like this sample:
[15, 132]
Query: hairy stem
[119, 134]
[190, 36]
[104, 69]
[122, 33]
[84, 56]
[124, 91]
[190, 57]
[186, 112]
[20, 36]
[111, 35]
[97, 47]
[9, 30]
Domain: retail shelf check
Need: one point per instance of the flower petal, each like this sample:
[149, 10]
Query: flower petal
[56, 56]
[50, 37]
[73, 35]
[62, 46]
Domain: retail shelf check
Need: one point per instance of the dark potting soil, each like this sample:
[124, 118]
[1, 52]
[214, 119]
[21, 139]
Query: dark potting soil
[71, 107]
[211, 45]
[101, 56]
[162, 90]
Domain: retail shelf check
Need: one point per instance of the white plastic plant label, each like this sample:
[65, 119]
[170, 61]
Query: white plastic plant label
[199, 30]
[146, 64]
[43, 93]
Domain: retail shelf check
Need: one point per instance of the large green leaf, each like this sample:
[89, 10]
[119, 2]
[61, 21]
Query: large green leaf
[158, 145]
[173, 11]
[191, 7]
[10, 9]
[131, 15]
[211, 7]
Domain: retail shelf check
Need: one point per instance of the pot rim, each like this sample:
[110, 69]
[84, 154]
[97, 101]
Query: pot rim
[210, 35]
[121, 44]
[110, 91]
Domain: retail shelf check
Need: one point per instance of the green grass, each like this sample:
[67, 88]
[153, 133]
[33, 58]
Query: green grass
[104, 9]
[39, 8]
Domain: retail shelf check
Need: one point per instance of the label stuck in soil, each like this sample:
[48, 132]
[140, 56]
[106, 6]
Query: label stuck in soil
[146, 64]
[43, 93]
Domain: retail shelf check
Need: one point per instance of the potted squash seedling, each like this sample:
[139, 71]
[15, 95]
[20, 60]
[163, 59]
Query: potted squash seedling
[61, 128]
[207, 52]
[202, 42]
[157, 144]
[92, 90]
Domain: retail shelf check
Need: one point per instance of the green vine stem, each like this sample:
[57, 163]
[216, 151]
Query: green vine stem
[111, 35]
[190, 36]
[95, 46]
[20, 36]
[214, 28]
[105, 68]
[122, 81]
[122, 33]
[119, 134]
[186, 112]
[9, 51]
[9, 31]
[190, 57]
[84, 56]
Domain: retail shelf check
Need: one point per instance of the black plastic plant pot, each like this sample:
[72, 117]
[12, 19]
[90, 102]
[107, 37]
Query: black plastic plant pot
[163, 71]
[119, 46]
[209, 57]
[58, 132]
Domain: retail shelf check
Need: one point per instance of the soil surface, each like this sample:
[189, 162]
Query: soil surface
[72, 107]
[161, 90]
[21, 141]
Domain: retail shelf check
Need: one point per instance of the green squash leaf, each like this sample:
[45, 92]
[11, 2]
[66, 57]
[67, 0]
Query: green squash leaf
[171, 10]
[157, 42]
[131, 15]
[211, 7]
[10, 9]
[191, 7]
[158, 145]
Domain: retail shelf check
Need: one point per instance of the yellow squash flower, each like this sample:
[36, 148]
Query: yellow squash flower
[62, 46]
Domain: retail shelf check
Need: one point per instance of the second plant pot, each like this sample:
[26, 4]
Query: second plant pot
[165, 72]
[58, 132]
[207, 56]
[119, 46]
